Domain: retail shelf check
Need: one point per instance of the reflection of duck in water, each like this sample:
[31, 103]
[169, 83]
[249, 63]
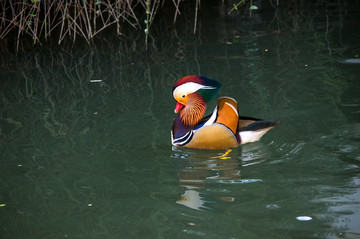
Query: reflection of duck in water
[203, 174]
[224, 128]
[200, 169]
[192, 199]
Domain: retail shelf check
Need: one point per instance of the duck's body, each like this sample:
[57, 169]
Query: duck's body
[224, 128]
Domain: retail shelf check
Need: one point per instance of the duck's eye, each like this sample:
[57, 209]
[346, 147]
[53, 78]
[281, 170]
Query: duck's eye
[183, 96]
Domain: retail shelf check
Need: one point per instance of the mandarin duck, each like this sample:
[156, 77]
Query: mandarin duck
[222, 129]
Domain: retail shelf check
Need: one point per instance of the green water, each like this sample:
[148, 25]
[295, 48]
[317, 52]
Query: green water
[85, 147]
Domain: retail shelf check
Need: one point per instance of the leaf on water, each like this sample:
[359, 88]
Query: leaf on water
[2, 205]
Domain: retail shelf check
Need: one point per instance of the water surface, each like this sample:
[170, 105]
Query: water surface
[85, 132]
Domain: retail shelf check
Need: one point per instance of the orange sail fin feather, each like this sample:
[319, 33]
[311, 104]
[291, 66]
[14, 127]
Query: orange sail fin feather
[228, 113]
[224, 128]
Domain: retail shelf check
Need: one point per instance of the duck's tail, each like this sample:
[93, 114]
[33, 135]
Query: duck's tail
[252, 129]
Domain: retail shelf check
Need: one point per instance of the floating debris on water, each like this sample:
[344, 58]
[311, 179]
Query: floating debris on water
[304, 218]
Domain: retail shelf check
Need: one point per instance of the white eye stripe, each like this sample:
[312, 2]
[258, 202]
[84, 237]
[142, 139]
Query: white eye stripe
[189, 88]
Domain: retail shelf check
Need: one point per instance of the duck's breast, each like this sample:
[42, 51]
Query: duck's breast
[214, 136]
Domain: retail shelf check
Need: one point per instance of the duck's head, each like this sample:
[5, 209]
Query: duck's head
[192, 93]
